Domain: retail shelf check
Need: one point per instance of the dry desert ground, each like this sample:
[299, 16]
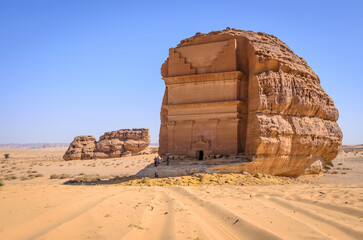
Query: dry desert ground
[97, 202]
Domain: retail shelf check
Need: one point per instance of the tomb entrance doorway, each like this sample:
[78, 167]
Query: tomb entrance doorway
[200, 155]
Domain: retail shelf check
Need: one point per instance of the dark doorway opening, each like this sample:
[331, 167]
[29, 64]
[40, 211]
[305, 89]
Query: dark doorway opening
[200, 155]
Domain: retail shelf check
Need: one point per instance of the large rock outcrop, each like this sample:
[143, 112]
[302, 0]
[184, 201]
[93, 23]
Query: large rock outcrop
[111, 145]
[82, 147]
[284, 121]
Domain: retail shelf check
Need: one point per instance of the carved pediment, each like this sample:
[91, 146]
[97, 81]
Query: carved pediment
[201, 144]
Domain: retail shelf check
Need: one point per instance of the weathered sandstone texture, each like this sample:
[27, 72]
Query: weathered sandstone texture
[82, 147]
[123, 142]
[236, 92]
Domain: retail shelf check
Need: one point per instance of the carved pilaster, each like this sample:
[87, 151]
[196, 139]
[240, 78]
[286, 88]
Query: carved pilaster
[214, 124]
[235, 126]
[170, 125]
[189, 128]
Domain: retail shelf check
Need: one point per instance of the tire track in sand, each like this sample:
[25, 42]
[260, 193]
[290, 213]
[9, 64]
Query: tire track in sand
[217, 221]
[331, 207]
[336, 228]
[42, 224]
[158, 222]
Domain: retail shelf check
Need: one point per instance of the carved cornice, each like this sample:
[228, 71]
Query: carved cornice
[205, 117]
[203, 105]
[207, 77]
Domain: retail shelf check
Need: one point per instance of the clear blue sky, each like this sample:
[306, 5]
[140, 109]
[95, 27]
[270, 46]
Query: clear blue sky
[71, 68]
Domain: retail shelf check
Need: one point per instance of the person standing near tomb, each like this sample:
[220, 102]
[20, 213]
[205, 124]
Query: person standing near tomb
[156, 161]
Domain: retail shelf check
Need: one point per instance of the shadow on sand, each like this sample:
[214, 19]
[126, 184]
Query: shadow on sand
[105, 180]
[101, 180]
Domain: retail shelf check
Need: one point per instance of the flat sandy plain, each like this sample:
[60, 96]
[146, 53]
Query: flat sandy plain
[36, 204]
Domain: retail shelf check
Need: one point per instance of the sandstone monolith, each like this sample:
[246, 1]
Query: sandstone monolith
[234, 92]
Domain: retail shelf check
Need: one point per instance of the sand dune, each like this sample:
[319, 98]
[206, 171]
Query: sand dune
[43, 208]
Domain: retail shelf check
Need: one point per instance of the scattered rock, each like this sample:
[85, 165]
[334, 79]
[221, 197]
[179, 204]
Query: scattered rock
[316, 167]
[212, 179]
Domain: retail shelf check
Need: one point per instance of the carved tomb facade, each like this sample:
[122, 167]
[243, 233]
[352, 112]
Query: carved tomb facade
[240, 92]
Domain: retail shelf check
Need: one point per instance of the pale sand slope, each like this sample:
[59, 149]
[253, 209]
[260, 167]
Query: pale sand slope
[330, 207]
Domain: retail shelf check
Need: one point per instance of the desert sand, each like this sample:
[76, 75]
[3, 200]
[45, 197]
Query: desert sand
[36, 204]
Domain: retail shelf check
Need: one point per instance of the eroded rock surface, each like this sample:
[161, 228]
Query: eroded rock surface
[82, 147]
[246, 93]
[123, 142]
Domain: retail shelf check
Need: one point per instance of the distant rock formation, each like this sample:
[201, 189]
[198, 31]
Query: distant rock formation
[123, 142]
[34, 145]
[234, 92]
